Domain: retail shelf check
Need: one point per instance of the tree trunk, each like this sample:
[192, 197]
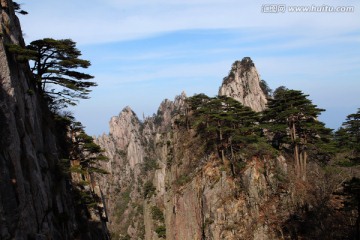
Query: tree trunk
[221, 142]
[296, 150]
[301, 164]
[304, 165]
[187, 118]
[232, 159]
[304, 160]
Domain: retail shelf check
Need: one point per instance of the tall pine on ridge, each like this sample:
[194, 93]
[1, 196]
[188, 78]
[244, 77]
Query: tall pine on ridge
[292, 118]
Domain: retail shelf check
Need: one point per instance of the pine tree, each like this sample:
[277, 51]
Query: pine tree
[292, 118]
[352, 128]
[348, 137]
[53, 65]
[351, 203]
[227, 127]
[342, 139]
[240, 131]
[80, 163]
[85, 154]
[17, 9]
[265, 88]
[85, 163]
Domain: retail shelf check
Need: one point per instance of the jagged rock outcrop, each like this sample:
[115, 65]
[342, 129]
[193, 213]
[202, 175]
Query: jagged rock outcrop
[180, 193]
[125, 149]
[36, 201]
[164, 184]
[132, 148]
[124, 130]
[243, 84]
[175, 190]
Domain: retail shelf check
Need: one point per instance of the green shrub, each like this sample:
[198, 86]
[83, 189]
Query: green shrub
[182, 180]
[157, 214]
[161, 231]
[169, 161]
[30, 92]
[158, 119]
[122, 203]
[149, 189]
[346, 163]
[126, 237]
[149, 164]
[209, 221]
[240, 165]
[121, 153]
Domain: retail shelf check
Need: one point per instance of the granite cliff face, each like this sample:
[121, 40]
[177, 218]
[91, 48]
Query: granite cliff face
[126, 152]
[30, 195]
[162, 185]
[36, 201]
[167, 182]
[243, 84]
[132, 147]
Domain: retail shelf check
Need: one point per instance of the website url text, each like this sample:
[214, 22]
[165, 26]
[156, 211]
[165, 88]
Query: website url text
[282, 8]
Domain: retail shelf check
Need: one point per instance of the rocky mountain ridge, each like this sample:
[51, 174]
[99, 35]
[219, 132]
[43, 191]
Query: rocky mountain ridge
[200, 168]
[162, 186]
[171, 178]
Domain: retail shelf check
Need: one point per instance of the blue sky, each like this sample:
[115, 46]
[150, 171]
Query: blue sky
[143, 51]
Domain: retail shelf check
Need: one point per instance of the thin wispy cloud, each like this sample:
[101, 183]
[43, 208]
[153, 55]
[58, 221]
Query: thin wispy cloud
[145, 50]
[107, 21]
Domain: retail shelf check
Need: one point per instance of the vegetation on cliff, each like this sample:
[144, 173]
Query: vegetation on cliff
[215, 159]
[293, 119]
[289, 127]
[49, 164]
[230, 160]
[228, 128]
[54, 65]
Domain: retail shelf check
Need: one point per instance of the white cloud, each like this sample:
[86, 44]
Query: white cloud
[106, 21]
[280, 45]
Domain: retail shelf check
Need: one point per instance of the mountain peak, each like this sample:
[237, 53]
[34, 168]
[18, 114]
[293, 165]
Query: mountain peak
[243, 84]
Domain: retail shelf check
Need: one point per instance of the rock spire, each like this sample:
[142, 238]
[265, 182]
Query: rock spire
[243, 84]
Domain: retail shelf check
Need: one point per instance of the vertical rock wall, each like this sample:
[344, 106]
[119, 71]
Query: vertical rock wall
[125, 148]
[35, 199]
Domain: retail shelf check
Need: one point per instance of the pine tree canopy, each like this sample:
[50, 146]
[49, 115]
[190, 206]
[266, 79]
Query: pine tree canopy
[292, 118]
[54, 67]
[228, 127]
[291, 108]
[349, 134]
[17, 8]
